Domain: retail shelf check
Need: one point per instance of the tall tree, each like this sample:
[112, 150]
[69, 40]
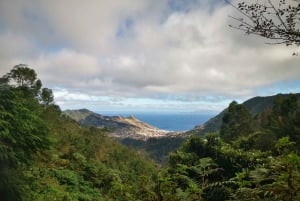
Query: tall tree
[237, 121]
[23, 76]
[46, 96]
[285, 117]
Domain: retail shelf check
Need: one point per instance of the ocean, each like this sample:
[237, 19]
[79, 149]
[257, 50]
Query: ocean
[167, 121]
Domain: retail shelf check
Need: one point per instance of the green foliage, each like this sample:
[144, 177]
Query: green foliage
[215, 193]
[23, 76]
[98, 163]
[156, 148]
[237, 121]
[247, 161]
[260, 107]
[278, 179]
[23, 132]
[25, 79]
[47, 156]
[84, 164]
[46, 96]
[285, 117]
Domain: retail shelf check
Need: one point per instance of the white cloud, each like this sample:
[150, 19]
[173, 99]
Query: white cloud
[67, 68]
[139, 49]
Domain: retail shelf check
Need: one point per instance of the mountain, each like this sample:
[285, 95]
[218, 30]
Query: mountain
[255, 105]
[120, 127]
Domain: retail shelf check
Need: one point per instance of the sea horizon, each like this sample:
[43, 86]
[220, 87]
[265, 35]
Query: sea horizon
[171, 121]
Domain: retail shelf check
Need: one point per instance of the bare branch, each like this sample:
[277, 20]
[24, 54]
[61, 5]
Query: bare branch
[278, 15]
[276, 22]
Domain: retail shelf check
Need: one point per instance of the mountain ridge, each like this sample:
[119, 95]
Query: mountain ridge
[255, 105]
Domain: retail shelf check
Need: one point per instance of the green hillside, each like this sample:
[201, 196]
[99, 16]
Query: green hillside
[251, 158]
[45, 155]
[127, 129]
[255, 105]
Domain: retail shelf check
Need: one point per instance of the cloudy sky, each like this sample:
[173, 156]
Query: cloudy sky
[154, 55]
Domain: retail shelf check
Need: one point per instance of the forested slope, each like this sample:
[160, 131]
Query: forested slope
[255, 105]
[47, 156]
[251, 158]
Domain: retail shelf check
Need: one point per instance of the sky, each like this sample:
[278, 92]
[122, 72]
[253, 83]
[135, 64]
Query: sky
[143, 55]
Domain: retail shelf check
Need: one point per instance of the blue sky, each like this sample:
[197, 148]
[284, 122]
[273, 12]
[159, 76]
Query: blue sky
[129, 55]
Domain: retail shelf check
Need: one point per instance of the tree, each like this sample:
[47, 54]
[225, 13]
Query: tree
[24, 77]
[46, 96]
[278, 21]
[285, 117]
[237, 121]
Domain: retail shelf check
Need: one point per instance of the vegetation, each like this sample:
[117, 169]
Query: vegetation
[251, 158]
[47, 156]
[157, 148]
[255, 106]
